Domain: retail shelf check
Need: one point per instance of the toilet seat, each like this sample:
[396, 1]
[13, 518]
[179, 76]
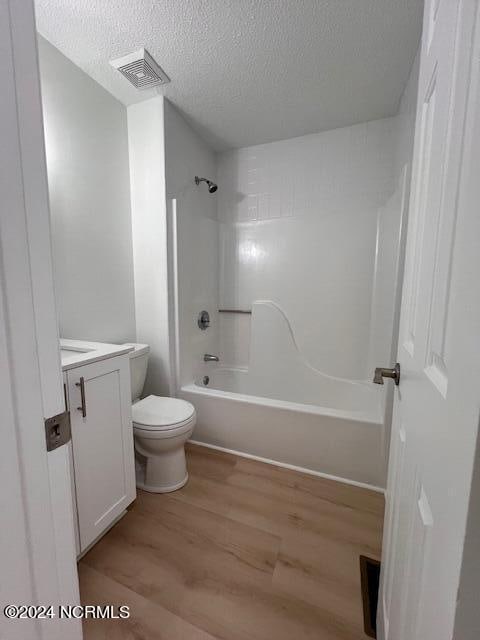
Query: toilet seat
[157, 417]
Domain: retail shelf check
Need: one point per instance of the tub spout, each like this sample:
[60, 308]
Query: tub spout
[209, 358]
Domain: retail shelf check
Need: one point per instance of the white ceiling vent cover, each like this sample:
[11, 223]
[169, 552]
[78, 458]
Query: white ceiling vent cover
[140, 69]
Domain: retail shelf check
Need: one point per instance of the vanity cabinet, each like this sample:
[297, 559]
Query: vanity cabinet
[98, 395]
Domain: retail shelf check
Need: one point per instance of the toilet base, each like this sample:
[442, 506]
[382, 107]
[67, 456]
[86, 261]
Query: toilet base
[161, 466]
[165, 489]
[165, 469]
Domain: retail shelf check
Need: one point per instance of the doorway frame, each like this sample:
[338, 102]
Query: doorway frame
[37, 545]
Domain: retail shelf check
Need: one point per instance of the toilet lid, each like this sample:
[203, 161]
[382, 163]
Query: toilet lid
[156, 412]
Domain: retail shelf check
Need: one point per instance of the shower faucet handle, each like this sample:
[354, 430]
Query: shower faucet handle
[381, 373]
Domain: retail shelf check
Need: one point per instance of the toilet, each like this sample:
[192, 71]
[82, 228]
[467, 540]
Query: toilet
[161, 426]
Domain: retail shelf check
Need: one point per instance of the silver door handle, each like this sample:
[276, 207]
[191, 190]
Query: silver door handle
[381, 373]
[83, 408]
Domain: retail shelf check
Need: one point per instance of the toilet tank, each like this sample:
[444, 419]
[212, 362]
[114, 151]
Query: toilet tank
[138, 368]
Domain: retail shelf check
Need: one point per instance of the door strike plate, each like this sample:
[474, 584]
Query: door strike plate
[57, 430]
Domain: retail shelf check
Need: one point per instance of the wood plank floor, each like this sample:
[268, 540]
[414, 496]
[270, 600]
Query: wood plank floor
[245, 551]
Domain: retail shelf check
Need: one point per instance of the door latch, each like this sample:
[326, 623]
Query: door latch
[381, 373]
[57, 430]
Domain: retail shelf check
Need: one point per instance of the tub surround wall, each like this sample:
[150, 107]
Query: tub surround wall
[298, 225]
[278, 370]
[192, 213]
[385, 295]
[88, 175]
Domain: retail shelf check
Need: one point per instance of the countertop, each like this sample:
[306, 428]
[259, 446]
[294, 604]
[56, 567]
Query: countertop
[76, 353]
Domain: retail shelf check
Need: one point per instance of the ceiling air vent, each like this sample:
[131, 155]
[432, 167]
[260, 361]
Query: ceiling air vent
[140, 69]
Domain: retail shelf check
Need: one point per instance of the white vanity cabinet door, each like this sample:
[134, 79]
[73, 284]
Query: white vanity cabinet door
[102, 444]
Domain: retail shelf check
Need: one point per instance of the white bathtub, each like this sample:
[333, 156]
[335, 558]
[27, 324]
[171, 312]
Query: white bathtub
[346, 444]
[283, 410]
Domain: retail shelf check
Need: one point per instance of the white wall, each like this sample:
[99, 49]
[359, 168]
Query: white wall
[298, 226]
[87, 161]
[187, 155]
[165, 156]
[149, 227]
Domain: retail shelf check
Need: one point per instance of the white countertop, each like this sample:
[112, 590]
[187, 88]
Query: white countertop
[76, 353]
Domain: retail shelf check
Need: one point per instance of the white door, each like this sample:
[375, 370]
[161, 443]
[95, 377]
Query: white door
[100, 409]
[36, 533]
[436, 411]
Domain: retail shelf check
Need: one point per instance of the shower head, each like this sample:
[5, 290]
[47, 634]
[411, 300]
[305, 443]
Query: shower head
[212, 187]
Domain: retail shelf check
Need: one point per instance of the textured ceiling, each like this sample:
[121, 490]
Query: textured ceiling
[245, 72]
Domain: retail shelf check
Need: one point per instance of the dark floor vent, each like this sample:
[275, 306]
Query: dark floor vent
[370, 579]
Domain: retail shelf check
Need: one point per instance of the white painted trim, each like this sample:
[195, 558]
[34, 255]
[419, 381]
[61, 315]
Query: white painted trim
[172, 224]
[170, 220]
[37, 207]
[292, 467]
[39, 563]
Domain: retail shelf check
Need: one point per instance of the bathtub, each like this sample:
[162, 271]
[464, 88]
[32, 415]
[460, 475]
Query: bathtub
[284, 411]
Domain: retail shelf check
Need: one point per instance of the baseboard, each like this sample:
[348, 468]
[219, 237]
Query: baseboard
[292, 467]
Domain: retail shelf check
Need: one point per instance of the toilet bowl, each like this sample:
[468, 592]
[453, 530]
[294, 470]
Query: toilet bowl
[161, 426]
